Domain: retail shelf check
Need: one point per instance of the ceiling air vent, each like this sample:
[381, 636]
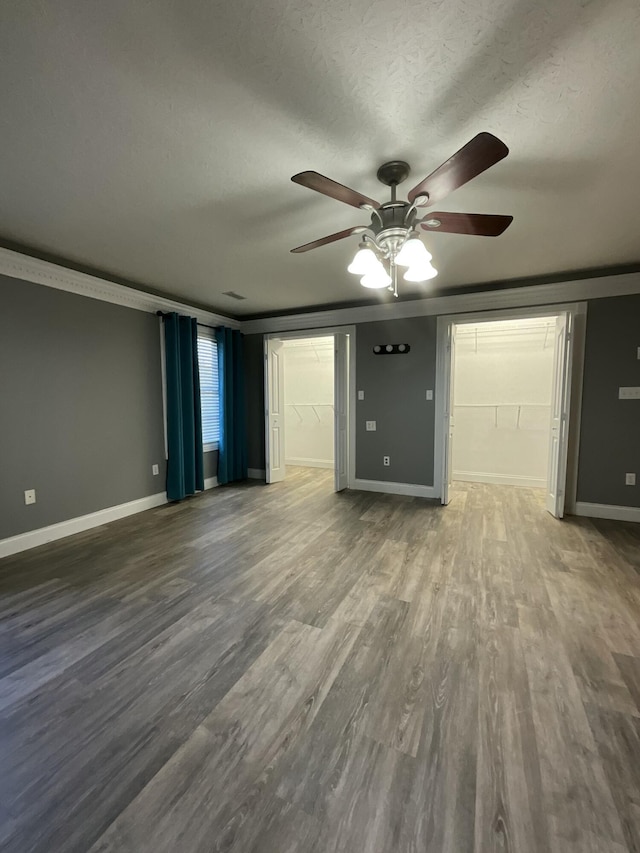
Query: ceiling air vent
[233, 294]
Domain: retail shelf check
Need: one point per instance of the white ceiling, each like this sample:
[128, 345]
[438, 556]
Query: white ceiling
[155, 140]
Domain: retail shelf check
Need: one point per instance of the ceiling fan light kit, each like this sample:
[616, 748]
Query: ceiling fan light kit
[365, 260]
[413, 252]
[421, 273]
[391, 238]
[376, 279]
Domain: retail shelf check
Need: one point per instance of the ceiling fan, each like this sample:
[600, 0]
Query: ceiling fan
[392, 235]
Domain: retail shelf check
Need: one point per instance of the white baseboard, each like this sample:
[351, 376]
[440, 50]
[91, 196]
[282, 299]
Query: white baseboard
[256, 473]
[33, 538]
[310, 463]
[615, 513]
[500, 479]
[410, 489]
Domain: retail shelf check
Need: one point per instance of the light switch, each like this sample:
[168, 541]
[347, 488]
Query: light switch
[360, 395]
[429, 394]
[629, 393]
[30, 496]
[371, 426]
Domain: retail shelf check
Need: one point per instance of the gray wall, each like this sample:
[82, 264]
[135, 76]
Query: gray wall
[210, 464]
[610, 428]
[395, 397]
[254, 399]
[80, 405]
[395, 388]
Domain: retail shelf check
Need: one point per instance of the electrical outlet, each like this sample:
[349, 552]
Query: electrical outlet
[629, 479]
[371, 426]
[639, 352]
[386, 461]
[30, 496]
[155, 469]
[429, 395]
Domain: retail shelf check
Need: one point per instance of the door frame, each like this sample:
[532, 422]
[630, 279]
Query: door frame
[329, 331]
[578, 312]
[273, 410]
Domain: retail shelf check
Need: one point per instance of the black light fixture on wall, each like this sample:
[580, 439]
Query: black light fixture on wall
[391, 349]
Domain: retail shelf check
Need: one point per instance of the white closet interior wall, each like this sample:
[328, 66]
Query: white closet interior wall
[502, 400]
[308, 395]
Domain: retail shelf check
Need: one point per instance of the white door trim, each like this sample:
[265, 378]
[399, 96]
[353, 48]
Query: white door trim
[327, 332]
[579, 331]
[578, 312]
[560, 414]
[341, 410]
[274, 446]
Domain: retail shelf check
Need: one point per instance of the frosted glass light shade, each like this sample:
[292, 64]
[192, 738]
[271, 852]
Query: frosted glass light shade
[420, 272]
[413, 253]
[365, 261]
[377, 278]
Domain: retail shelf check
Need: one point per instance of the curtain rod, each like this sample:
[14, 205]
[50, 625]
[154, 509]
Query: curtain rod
[164, 314]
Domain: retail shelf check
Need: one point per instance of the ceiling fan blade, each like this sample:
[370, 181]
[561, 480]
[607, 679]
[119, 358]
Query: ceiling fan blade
[340, 235]
[483, 151]
[481, 224]
[317, 182]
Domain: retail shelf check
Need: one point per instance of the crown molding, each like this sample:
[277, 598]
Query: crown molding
[576, 290]
[17, 265]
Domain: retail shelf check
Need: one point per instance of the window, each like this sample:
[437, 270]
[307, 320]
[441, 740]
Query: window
[209, 393]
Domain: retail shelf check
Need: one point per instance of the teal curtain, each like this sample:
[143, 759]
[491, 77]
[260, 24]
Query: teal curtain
[185, 465]
[232, 460]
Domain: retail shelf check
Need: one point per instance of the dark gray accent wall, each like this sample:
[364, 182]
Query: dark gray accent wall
[395, 397]
[254, 400]
[610, 428]
[80, 405]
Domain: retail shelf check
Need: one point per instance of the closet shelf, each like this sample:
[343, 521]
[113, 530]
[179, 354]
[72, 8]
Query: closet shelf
[497, 406]
[314, 406]
[502, 405]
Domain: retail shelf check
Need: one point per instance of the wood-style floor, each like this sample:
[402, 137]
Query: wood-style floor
[279, 669]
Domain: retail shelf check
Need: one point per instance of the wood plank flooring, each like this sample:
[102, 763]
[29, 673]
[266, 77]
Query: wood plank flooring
[280, 669]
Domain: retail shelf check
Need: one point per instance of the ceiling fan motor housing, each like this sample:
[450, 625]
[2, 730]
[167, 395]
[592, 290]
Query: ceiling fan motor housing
[390, 223]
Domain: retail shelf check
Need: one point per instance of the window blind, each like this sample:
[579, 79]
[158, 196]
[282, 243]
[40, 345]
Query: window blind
[209, 392]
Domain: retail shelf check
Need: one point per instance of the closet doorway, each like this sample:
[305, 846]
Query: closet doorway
[307, 403]
[506, 390]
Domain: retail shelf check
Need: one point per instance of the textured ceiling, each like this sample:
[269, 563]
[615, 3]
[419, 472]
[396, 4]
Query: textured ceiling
[155, 140]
